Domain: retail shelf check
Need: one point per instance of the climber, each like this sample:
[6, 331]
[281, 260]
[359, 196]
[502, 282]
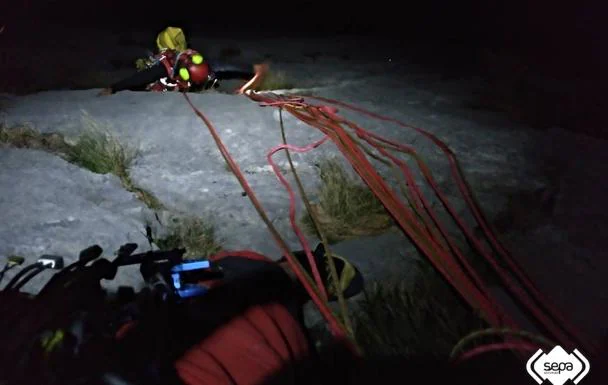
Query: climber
[175, 67]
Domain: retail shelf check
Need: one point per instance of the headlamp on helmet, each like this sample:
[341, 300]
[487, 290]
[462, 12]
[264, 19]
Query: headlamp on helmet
[197, 58]
[184, 74]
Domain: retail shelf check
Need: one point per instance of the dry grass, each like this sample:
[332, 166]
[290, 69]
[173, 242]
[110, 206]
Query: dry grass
[421, 318]
[99, 151]
[191, 233]
[275, 80]
[346, 207]
[27, 137]
[96, 149]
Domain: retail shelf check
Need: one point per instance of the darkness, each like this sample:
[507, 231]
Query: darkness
[537, 25]
[562, 38]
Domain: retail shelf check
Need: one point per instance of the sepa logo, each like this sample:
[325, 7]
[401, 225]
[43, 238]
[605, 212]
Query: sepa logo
[558, 366]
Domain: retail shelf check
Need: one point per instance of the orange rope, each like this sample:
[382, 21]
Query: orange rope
[292, 209]
[327, 121]
[449, 262]
[336, 328]
[560, 321]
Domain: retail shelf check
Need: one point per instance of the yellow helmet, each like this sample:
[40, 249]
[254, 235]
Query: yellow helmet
[171, 38]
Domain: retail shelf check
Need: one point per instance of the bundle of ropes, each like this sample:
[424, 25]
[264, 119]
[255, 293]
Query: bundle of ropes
[416, 217]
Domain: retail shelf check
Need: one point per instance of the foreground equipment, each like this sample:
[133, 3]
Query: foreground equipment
[72, 314]
[233, 316]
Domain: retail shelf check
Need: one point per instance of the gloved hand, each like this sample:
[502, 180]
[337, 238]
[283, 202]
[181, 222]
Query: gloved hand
[212, 82]
[260, 71]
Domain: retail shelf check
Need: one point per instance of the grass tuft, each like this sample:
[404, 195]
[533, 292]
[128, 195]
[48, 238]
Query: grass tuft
[100, 152]
[424, 318]
[191, 233]
[275, 80]
[96, 150]
[27, 137]
[347, 208]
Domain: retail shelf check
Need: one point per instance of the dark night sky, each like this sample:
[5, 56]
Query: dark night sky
[459, 19]
[539, 28]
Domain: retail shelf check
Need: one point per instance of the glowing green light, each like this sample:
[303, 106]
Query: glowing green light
[197, 59]
[184, 74]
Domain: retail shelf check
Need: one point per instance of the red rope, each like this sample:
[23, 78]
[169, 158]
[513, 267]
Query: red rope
[335, 327]
[403, 215]
[525, 346]
[325, 118]
[479, 298]
[342, 140]
[239, 253]
[541, 299]
[488, 257]
[496, 314]
[292, 206]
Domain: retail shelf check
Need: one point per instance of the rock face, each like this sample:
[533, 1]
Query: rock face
[51, 206]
